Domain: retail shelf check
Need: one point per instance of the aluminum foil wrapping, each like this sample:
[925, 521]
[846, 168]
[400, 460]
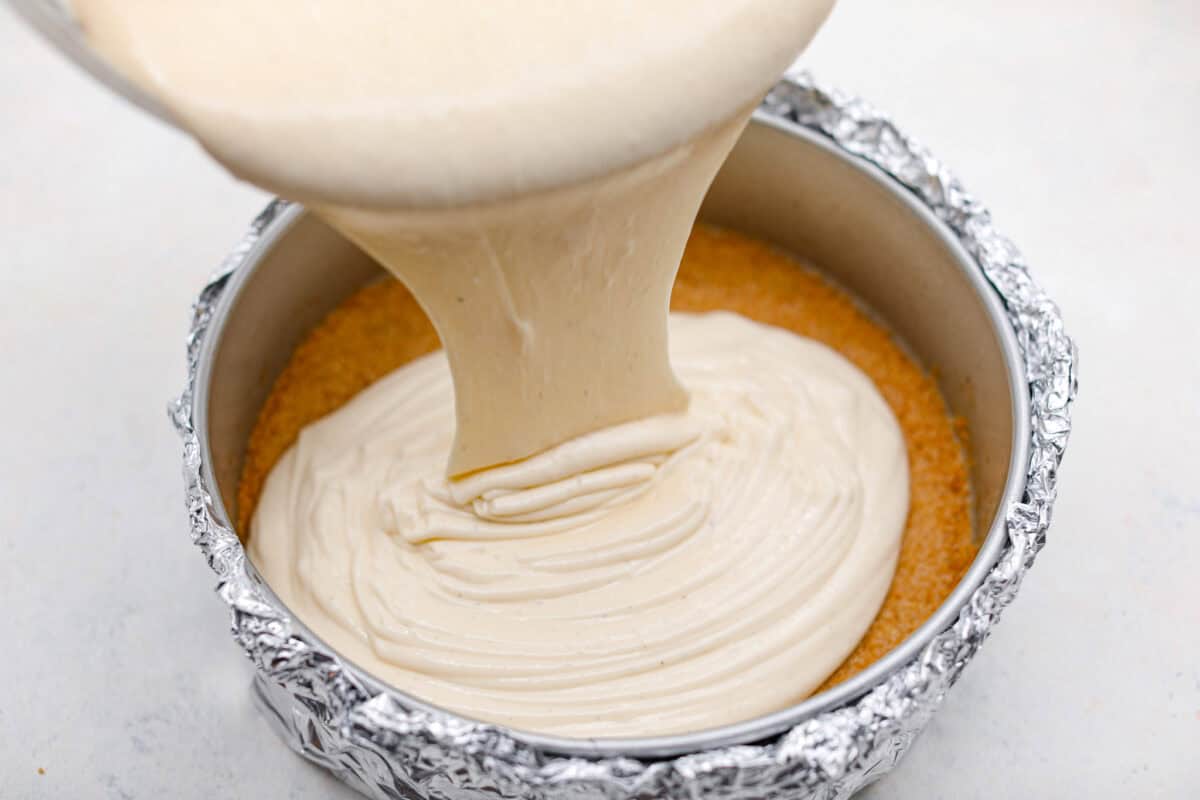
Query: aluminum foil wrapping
[376, 744]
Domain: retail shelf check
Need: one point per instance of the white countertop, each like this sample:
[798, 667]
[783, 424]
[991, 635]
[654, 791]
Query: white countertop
[1078, 128]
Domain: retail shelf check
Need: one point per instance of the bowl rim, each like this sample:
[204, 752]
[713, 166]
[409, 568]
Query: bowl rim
[747, 731]
[57, 24]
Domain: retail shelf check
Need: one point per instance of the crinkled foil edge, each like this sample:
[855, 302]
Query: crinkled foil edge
[386, 750]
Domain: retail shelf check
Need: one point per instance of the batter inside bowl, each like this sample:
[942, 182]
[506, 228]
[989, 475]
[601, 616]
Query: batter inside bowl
[582, 687]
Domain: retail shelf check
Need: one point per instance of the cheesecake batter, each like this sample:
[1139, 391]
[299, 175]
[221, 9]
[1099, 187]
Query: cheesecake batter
[593, 544]
[529, 169]
[663, 576]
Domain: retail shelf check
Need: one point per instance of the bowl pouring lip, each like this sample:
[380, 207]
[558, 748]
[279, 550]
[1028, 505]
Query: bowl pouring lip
[758, 728]
[55, 22]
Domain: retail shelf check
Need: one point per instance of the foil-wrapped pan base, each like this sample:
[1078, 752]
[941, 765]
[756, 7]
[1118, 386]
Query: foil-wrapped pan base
[326, 711]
